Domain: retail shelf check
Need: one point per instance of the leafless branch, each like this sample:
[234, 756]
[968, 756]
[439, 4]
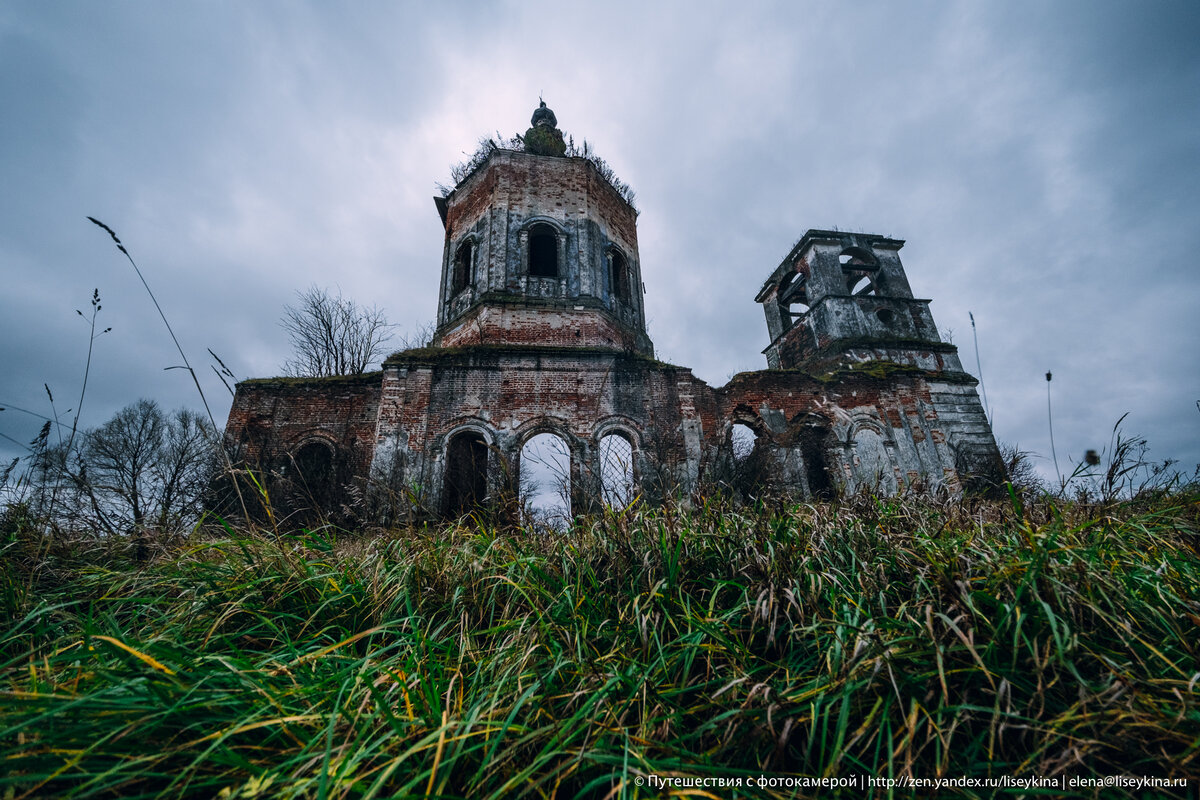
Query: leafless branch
[332, 335]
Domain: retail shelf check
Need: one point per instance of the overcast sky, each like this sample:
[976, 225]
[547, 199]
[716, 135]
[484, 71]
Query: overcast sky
[1040, 159]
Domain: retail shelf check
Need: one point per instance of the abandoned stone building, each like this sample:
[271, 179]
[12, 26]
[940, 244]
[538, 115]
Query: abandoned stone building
[541, 329]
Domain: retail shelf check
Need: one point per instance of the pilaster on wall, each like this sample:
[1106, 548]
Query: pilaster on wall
[977, 457]
[401, 432]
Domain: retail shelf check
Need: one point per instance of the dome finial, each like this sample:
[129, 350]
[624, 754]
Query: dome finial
[543, 116]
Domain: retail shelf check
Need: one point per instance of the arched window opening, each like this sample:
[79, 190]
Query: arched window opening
[545, 482]
[861, 270]
[861, 284]
[466, 472]
[857, 257]
[742, 441]
[314, 463]
[748, 463]
[793, 297]
[616, 470]
[619, 275]
[462, 267]
[543, 251]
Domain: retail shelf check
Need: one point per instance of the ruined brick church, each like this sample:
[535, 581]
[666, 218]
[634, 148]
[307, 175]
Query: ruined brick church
[541, 329]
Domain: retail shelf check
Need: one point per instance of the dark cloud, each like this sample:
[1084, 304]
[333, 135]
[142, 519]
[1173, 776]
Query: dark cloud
[1038, 158]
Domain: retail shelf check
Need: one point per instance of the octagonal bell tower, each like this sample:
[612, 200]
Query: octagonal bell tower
[540, 249]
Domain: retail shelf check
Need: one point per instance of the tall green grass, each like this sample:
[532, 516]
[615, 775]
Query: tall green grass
[872, 638]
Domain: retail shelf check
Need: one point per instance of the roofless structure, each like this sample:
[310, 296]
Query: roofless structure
[541, 329]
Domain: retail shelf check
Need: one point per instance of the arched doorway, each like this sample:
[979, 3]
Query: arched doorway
[813, 441]
[311, 485]
[314, 464]
[616, 470]
[545, 482]
[465, 485]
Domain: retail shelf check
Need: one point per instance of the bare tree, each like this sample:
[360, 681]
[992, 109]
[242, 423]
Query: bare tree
[545, 482]
[144, 468]
[617, 488]
[331, 335]
[188, 461]
[120, 454]
[418, 337]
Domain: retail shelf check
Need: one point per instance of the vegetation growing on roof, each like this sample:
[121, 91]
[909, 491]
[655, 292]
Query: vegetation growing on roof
[487, 145]
[314, 380]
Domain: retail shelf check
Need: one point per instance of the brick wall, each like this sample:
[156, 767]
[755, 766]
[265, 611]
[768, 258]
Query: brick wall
[494, 209]
[541, 325]
[893, 431]
[271, 418]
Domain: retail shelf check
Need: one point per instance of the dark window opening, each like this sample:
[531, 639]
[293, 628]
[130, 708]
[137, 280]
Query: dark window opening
[815, 470]
[462, 267]
[619, 273]
[886, 316]
[466, 472]
[314, 464]
[314, 475]
[543, 252]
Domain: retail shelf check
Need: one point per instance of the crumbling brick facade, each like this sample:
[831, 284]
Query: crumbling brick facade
[541, 329]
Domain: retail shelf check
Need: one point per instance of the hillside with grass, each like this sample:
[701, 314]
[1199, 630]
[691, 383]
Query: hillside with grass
[896, 639]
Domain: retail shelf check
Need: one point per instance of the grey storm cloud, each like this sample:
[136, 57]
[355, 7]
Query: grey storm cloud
[1039, 159]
